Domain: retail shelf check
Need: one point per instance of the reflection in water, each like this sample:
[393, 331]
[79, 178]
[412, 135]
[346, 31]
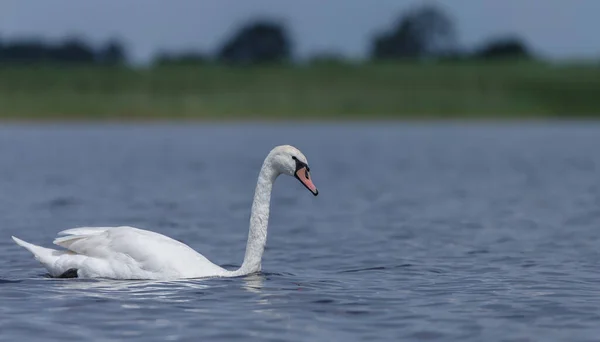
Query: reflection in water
[162, 290]
[136, 294]
[168, 291]
[254, 283]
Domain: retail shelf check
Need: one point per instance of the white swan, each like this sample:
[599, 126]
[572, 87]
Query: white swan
[132, 253]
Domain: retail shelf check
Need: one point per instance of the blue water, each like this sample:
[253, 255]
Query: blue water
[424, 232]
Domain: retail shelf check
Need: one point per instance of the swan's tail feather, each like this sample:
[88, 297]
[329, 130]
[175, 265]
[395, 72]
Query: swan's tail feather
[37, 251]
[46, 256]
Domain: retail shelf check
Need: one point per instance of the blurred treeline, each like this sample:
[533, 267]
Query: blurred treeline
[416, 69]
[424, 32]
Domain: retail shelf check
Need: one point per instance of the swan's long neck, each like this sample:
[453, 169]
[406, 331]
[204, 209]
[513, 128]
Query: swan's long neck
[259, 219]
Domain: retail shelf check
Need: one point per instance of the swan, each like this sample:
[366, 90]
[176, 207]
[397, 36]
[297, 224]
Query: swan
[130, 253]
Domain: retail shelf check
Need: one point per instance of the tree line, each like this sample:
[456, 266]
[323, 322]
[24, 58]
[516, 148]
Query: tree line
[420, 33]
[69, 51]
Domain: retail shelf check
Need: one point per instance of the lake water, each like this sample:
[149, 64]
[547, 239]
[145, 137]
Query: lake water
[424, 232]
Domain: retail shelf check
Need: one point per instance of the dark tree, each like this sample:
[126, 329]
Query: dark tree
[69, 51]
[73, 51]
[25, 50]
[510, 47]
[256, 43]
[421, 32]
[112, 53]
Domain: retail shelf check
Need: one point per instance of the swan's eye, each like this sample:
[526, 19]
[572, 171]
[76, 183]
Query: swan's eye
[294, 157]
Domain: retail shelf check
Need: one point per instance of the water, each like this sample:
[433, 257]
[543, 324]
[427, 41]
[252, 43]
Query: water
[420, 232]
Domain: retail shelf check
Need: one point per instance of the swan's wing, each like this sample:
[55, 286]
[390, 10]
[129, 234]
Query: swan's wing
[126, 249]
[74, 234]
[84, 230]
[135, 242]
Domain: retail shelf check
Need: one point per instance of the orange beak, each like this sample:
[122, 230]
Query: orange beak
[303, 175]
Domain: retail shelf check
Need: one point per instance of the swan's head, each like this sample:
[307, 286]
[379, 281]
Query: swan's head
[288, 160]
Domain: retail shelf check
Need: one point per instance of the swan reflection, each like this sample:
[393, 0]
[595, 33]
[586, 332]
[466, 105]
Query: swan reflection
[171, 291]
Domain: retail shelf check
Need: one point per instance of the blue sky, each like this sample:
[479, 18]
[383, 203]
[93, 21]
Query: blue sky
[554, 28]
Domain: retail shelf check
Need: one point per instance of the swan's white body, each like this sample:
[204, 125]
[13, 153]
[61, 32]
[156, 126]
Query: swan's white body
[122, 253]
[132, 253]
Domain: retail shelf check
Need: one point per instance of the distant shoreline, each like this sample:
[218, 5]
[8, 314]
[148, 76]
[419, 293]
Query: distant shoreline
[497, 91]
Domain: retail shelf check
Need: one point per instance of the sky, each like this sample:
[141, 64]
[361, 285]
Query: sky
[557, 29]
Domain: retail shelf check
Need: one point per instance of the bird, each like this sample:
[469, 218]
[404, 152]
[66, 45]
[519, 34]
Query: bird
[131, 253]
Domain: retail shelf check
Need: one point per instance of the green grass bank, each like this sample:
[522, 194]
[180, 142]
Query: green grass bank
[510, 90]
